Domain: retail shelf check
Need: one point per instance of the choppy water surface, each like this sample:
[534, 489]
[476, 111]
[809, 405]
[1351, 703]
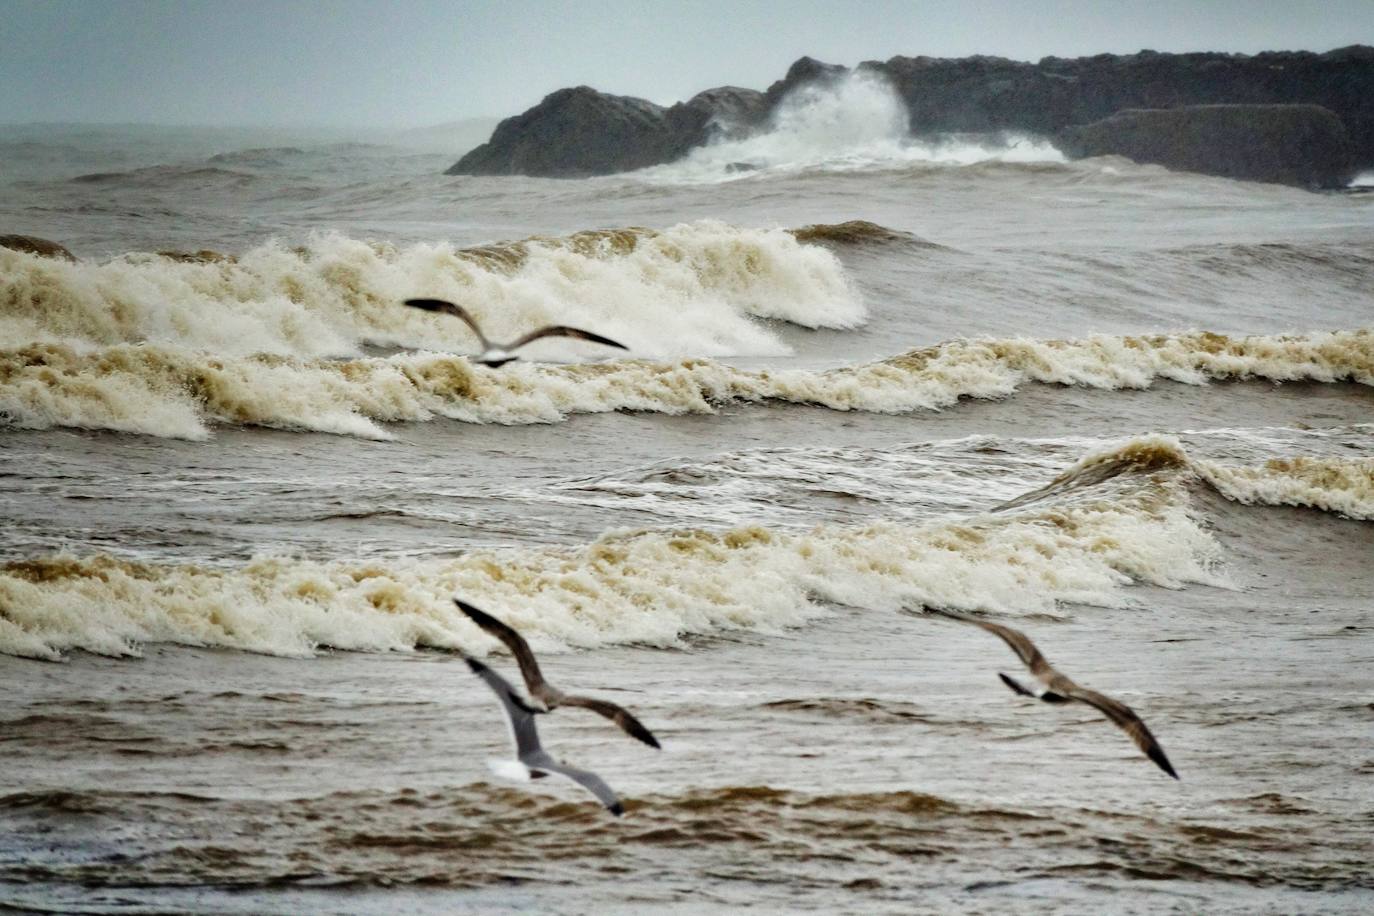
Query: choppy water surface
[1126, 410]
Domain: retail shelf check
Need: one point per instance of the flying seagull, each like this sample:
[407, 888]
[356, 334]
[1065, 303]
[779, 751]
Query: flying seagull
[549, 696]
[528, 750]
[1059, 689]
[497, 354]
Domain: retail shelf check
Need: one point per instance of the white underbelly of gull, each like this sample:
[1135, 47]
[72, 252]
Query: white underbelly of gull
[529, 753]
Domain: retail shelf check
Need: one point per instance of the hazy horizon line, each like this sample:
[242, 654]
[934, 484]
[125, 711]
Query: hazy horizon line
[327, 126]
[240, 125]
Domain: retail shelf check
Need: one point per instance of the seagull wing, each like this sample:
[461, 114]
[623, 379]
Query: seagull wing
[616, 714]
[1020, 643]
[457, 311]
[519, 715]
[529, 668]
[587, 780]
[1125, 719]
[1015, 685]
[559, 330]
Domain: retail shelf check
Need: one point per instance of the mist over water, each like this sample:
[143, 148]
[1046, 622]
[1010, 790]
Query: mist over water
[1123, 409]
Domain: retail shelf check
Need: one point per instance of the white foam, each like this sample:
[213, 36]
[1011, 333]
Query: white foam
[651, 587]
[691, 290]
[1344, 486]
[162, 390]
[1341, 485]
[857, 122]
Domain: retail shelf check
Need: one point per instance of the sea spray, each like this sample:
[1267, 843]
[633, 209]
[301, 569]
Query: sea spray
[173, 391]
[647, 587]
[858, 121]
[693, 289]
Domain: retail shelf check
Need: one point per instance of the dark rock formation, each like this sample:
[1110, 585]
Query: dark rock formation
[34, 245]
[573, 133]
[725, 113]
[576, 132]
[1303, 145]
[992, 93]
[805, 72]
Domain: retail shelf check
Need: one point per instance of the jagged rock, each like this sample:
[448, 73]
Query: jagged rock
[992, 93]
[725, 113]
[804, 72]
[1302, 145]
[34, 245]
[574, 133]
[580, 131]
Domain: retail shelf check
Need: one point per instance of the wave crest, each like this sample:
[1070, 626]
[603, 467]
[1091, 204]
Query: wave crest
[692, 289]
[170, 391]
[1344, 486]
[649, 587]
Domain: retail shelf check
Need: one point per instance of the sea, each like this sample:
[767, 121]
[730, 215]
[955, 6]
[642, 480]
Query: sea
[1127, 411]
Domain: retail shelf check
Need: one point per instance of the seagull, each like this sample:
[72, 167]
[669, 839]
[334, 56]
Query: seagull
[548, 696]
[1059, 689]
[496, 354]
[528, 751]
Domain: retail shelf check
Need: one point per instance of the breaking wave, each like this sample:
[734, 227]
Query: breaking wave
[858, 121]
[1118, 516]
[177, 392]
[1344, 486]
[645, 587]
[694, 289]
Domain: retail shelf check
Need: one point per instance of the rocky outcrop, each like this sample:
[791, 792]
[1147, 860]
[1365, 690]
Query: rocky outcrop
[573, 133]
[992, 93]
[576, 132]
[725, 113]
[806, 71]
[1302, 145]
[34, 245]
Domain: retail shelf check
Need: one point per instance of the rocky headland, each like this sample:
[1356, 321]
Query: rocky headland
[1243, 116]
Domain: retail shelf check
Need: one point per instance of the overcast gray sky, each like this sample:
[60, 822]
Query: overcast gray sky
[420, 62]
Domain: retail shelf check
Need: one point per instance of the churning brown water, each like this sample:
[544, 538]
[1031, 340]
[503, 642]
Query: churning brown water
[239, 489]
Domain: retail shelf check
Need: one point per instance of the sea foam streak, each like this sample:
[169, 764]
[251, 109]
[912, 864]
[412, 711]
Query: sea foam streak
[651, 587]
[693, 289]
[173, 391]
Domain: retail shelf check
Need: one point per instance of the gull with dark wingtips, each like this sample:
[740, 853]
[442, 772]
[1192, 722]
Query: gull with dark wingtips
[498, 354]
[1056, 688]
[528, 751]
[549, 696]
